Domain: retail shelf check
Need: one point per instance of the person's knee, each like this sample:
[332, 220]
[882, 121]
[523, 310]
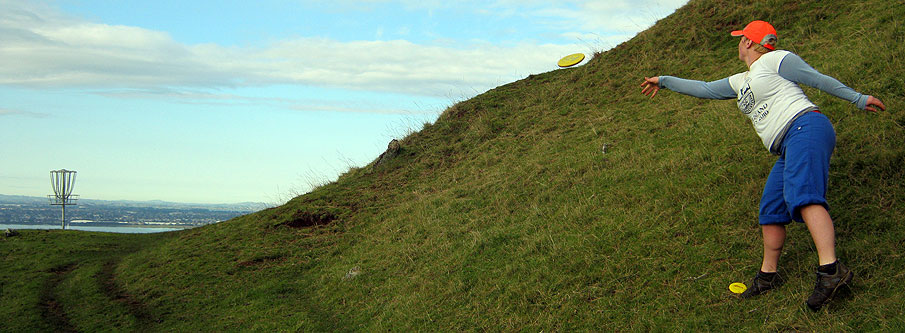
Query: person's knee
[814, 212]
[774, 236]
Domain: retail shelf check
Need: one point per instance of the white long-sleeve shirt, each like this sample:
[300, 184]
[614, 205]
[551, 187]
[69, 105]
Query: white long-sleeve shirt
[768, 93]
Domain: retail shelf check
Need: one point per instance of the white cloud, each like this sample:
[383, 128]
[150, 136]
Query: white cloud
[42, 47]
[46, 48]
[604, 17]
[398, 65]
[197, 97]
[8, 112]
[83, 54]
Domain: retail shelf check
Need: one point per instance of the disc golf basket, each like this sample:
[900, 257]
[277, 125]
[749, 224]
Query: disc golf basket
[62, 182]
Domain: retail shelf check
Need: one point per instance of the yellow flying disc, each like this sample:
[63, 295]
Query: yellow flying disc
[737, 288]
[571, 60]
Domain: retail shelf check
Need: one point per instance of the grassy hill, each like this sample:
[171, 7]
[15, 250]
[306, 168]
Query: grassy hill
[563, 201]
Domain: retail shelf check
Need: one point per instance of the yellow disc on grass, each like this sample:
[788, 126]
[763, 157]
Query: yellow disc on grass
[737, 288]
[571, 60]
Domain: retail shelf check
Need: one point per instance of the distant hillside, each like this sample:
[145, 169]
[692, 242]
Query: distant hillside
[21, 199]
[242, 206]
[564, 201]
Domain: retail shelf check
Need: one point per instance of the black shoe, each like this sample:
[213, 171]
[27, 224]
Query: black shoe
[828, 285]
[762, 283]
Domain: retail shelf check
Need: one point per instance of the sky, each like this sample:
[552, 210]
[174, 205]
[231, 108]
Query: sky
[257, 101]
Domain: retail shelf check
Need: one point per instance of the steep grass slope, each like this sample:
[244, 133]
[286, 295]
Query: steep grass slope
[567, 200]
[508, 213]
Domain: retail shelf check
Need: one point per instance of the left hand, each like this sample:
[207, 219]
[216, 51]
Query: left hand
[872, 102]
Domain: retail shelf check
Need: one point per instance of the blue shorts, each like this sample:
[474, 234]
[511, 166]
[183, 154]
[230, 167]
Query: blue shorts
[799, 177]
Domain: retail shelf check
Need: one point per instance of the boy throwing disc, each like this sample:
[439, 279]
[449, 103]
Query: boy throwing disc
[793, 128]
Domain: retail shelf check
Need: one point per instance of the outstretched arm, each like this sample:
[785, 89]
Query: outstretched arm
[719, 89]
[794, 69]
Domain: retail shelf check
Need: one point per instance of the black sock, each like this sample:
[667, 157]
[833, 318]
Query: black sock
[766, 276]
[828, 268]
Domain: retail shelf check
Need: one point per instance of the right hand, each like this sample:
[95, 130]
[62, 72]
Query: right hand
[651, 86]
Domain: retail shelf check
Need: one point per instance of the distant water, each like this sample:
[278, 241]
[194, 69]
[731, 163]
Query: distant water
[127, 230]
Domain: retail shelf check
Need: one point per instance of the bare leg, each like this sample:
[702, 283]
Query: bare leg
[774, 238]
[821, 227]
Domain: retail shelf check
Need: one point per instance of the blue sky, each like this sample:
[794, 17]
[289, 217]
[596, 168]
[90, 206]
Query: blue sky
[235, 101]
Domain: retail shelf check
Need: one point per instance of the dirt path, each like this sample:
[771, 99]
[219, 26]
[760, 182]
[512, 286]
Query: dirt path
[51, 309]
[137, 309]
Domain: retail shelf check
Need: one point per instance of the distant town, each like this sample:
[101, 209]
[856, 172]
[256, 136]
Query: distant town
[38, 211]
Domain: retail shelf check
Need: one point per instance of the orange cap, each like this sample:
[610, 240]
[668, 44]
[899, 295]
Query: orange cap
[760, 32]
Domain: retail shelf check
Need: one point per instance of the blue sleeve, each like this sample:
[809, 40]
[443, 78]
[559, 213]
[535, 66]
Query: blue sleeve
[794, 69]
[719, 89]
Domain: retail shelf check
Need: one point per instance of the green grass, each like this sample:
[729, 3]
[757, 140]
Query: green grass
[61, 280]
[505, 214]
